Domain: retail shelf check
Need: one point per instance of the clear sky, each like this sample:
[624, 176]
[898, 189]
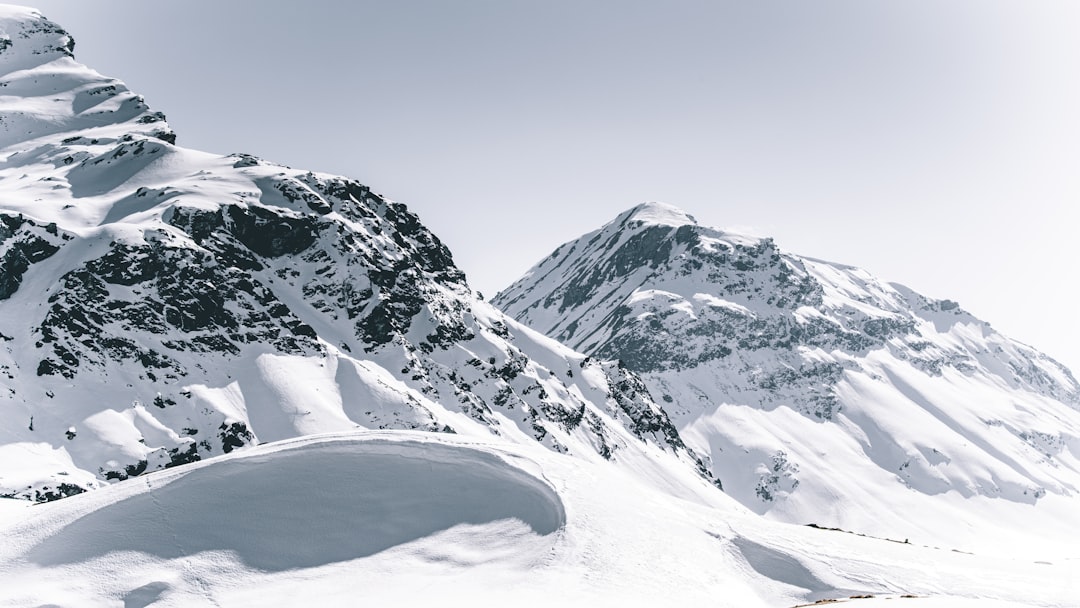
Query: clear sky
[935, 143]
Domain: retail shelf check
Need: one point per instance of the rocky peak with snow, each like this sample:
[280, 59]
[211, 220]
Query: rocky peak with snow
[33, 40]
[799, 376]
[656, 214]
[159, 305]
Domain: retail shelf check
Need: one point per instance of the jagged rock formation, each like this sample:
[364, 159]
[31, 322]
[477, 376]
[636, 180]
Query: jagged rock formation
[160, 305]
[809, 382]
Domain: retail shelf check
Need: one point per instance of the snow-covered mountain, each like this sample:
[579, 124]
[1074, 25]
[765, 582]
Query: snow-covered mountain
[159, 305]
[820, 393]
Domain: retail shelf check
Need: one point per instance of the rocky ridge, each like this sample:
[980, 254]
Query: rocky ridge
[802, 378]
[160, 305]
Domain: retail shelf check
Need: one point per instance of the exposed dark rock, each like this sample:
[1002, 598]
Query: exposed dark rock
[234, 435]
[178, 456]
[63, 490]
[23, 243]
[271, 234]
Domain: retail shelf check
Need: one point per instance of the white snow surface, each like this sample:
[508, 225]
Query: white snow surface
[560, 484]
[659, 214]
[820, 393]
[396, 516]
[159, 305]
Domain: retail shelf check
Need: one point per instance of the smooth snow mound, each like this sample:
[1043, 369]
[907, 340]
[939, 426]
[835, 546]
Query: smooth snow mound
[311, 505]
[661, 214]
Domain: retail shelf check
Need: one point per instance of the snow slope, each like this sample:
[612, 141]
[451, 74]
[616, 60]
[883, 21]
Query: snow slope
[396, 516]
[159, 305]
[221, 337]
[820, 393]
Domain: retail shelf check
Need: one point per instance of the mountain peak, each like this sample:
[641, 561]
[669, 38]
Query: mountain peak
[198, 285]
[15, 12]
[761, 357]
[26, 35]
[661, 214]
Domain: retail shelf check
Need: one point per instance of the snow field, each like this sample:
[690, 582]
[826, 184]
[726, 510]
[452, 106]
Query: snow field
[391, 517]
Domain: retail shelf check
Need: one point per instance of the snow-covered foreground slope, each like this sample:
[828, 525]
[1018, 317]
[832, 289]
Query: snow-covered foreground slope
[160, 305]
[820, 393]
[401, 517]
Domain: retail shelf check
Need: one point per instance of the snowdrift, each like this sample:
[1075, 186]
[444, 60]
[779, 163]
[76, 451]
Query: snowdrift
[397, 517]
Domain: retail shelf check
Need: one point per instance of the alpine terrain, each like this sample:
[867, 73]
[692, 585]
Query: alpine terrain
[820, 393]
[160, 305]
[226, 382]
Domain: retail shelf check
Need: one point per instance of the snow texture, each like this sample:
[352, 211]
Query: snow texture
[255, 385]
[386, 517]
[160, 305]
[820, 393]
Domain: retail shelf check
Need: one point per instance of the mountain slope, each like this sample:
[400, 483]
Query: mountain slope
[393, 517]
[821, 393]
[159, 305]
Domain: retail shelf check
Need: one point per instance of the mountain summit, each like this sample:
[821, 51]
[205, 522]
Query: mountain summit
[821, 393]
[159, 305]
[344, 422]
[660, 214]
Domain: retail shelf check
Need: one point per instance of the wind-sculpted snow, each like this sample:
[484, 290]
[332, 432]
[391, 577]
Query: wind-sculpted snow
[808, 383]
[344, 422]
[312, 505]
[372, 517]
[160, 305]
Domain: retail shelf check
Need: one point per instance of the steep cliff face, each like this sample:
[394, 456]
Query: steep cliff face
[160, 305]
[809, 382]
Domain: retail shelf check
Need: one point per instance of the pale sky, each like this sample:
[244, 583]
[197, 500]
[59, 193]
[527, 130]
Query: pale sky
[935, 143]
